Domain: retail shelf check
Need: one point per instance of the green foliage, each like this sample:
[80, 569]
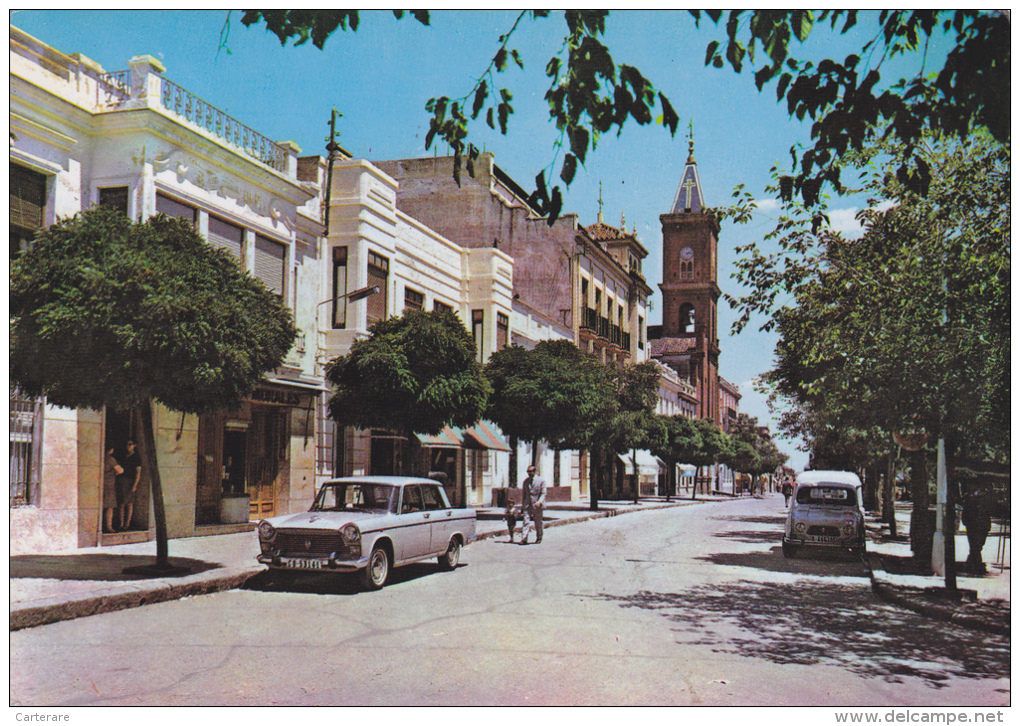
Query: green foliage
[109, 312]
[554, 393]
[590, 93]
[682, 440]
[415, 374]
[314, 25]
[847, 100]
[908, 326]
[752, 451]
[714, 445]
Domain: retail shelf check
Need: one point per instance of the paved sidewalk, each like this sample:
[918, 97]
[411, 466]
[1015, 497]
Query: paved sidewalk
[50, 587]
[896, 578]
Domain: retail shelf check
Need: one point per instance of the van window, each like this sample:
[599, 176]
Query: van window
[821, 494]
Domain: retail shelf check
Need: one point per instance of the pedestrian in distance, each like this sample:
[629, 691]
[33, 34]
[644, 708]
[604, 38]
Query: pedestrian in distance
[127, 484]
[787, 491]
[532, 503]
[111, 470]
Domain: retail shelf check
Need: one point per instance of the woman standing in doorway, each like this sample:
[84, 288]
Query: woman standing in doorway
[111, 470]
[127, 484]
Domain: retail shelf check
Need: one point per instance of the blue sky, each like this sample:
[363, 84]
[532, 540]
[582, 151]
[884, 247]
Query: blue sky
[381, 77]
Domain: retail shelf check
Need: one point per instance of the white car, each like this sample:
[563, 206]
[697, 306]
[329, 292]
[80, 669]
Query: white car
[368, 524]
[826, 512]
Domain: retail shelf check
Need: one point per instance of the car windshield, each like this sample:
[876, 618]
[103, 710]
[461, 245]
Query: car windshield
[822, 494]
[361, 496]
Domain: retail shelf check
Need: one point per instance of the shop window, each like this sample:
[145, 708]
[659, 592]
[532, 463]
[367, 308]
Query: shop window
[271, 263]
[227, 236]
[325, 438]
[413, 300]
[378, 275]
[339, 288]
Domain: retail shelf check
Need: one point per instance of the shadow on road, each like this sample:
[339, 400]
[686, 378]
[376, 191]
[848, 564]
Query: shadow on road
[103, 567]
[818, 563]
[335, 583]
[825, 623]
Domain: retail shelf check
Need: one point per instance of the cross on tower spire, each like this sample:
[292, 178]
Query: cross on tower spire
[688, 196]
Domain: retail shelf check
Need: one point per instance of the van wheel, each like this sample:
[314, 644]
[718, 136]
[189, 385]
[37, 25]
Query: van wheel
[789, 550]
[374, 576]
[450, 560]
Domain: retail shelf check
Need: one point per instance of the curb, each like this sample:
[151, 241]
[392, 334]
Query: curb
[889, 595]
[124, 597]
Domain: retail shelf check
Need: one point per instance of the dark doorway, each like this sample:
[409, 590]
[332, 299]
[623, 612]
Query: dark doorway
[235, 459]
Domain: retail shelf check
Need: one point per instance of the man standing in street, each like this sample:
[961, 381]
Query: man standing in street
[532, 504]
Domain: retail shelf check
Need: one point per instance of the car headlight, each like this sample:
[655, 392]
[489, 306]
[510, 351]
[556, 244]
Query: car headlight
[800, 527]
[350, 533]
[266, 530]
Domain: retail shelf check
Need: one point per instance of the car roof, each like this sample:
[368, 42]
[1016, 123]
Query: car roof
[825, 476]
[376, 479]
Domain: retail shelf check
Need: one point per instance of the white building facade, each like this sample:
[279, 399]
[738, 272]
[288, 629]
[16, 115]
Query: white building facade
[371, 244]
[141, 143]
[138, 142]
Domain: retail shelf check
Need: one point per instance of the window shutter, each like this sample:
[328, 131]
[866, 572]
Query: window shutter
[228, 236]
[28, 198]
[173, 208]
[270, 263]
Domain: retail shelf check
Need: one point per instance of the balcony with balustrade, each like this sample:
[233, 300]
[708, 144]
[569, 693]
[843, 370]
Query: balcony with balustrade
[144, 86]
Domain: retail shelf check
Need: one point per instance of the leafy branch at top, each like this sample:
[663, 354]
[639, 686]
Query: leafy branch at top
[846, 101]
[589, 93]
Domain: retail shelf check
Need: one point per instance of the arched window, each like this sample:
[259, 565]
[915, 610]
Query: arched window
[687, 318]
[687, 269]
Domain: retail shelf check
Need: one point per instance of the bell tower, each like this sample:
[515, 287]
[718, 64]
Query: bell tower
[690, 288]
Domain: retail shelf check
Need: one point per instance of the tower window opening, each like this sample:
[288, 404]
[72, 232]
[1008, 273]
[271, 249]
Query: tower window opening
[687, 319]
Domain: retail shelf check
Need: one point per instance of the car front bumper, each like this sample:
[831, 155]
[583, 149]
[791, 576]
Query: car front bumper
[312, 564]
[820, 541]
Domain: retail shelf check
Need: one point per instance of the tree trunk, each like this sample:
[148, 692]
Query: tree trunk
[922, 529]
[694, 484]
[637, 476]
[593, 480]
[514, 443]
[889, 495]
[151, 467]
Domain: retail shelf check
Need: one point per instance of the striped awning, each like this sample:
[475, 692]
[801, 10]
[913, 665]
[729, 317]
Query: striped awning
[448, 438]
[484, 435]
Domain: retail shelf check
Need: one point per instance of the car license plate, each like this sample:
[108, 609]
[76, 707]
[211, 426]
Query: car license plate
[819, 538]
[305, 564]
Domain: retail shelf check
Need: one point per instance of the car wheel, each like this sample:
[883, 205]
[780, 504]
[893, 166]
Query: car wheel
[789, 550]
[450, 560]
[374, 576]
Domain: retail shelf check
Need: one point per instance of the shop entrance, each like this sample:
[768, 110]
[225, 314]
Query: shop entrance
[235, 458]
[127, 511]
